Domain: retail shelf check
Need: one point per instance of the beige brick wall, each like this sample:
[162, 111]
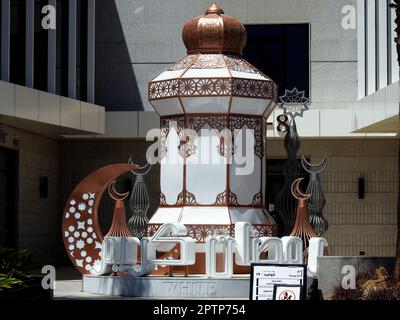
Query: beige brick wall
[38, 227]
[356, 225]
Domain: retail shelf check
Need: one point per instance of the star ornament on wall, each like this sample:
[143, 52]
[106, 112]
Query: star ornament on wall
[294, 103]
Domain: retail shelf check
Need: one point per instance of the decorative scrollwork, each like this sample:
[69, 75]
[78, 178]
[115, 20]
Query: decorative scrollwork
[257, 199]
[186, 198]
[253, 123]
[163, 201]
[194, 87]
[226, 198]
[184, 63]
[190, 198]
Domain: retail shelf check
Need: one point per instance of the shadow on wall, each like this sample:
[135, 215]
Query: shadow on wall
[116, 86]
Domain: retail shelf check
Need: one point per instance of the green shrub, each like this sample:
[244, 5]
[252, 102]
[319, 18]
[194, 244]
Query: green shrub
[13, 267]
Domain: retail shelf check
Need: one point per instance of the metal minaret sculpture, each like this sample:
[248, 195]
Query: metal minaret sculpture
[139, 202]
[317, 201]
[293, 103]
[302, 227]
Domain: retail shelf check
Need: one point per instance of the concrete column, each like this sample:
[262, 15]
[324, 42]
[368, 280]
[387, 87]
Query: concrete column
[51, 55]
[91, 51]
[72, 8]
[5, 40]
[29, 42]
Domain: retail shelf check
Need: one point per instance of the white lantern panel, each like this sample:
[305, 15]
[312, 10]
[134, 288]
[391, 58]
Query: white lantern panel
[171, 170]
[250, 215]
[165, 215]
[245, 170]
[206, 169]
[254, 106]
[205, 215]
[248, 75]
[168, 106]
[206, 73]
[269, 110]
[209, 104]
[166, 75]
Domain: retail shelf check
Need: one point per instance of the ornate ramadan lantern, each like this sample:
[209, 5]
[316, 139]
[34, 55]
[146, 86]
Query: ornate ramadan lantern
[214, 89]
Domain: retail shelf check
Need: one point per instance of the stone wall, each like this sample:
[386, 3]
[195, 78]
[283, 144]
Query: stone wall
[38, 228]
[136, 40]
[356, 225]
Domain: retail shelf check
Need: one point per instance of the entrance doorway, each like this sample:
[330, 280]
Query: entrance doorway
[8, 199]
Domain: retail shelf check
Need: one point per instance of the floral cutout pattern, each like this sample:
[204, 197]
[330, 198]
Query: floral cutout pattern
[80, 234]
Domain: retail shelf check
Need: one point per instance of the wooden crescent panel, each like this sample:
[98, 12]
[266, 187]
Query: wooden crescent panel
[80, 226]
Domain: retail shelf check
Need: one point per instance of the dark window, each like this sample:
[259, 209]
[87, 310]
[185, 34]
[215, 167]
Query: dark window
[1, 33]
[62, 16]
[40, 48]
[81, 49]
[8, 191]
[17, 41]
[281, 51]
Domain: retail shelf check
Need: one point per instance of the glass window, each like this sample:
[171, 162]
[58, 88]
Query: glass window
[282, 52]
[40, 49]
[17, 41]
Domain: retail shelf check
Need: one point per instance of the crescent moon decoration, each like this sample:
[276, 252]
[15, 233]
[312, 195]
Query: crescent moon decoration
[317, 200]
[80, 226]
[114, 194]
[296, 190]
[302, 227]
[140, 171]
[118, 228]
[307, 165]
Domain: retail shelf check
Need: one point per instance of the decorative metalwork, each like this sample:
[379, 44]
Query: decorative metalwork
[139, 201]
[302, 227]
[201, 232]
[257, 199]
[184, 63]
[226, 198]
[285, 204]
[186, 198]
[80, 224]
[294, 103]
[237, 122]
[214, 32]
[317, 201]
[203, 87]
[163, 201]
[396, 6]
[118, 227]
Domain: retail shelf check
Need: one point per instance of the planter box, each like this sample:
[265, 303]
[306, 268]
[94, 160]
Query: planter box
[330, 269]
[31, 291]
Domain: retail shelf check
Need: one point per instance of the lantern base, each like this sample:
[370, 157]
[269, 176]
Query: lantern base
[199, 287]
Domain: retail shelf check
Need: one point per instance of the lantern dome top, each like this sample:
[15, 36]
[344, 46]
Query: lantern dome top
[214, 32]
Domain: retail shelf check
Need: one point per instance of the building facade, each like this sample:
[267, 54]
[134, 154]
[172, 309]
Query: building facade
[103, 53]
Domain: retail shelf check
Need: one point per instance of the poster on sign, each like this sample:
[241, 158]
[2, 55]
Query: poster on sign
[264, 277]
[287, 292]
